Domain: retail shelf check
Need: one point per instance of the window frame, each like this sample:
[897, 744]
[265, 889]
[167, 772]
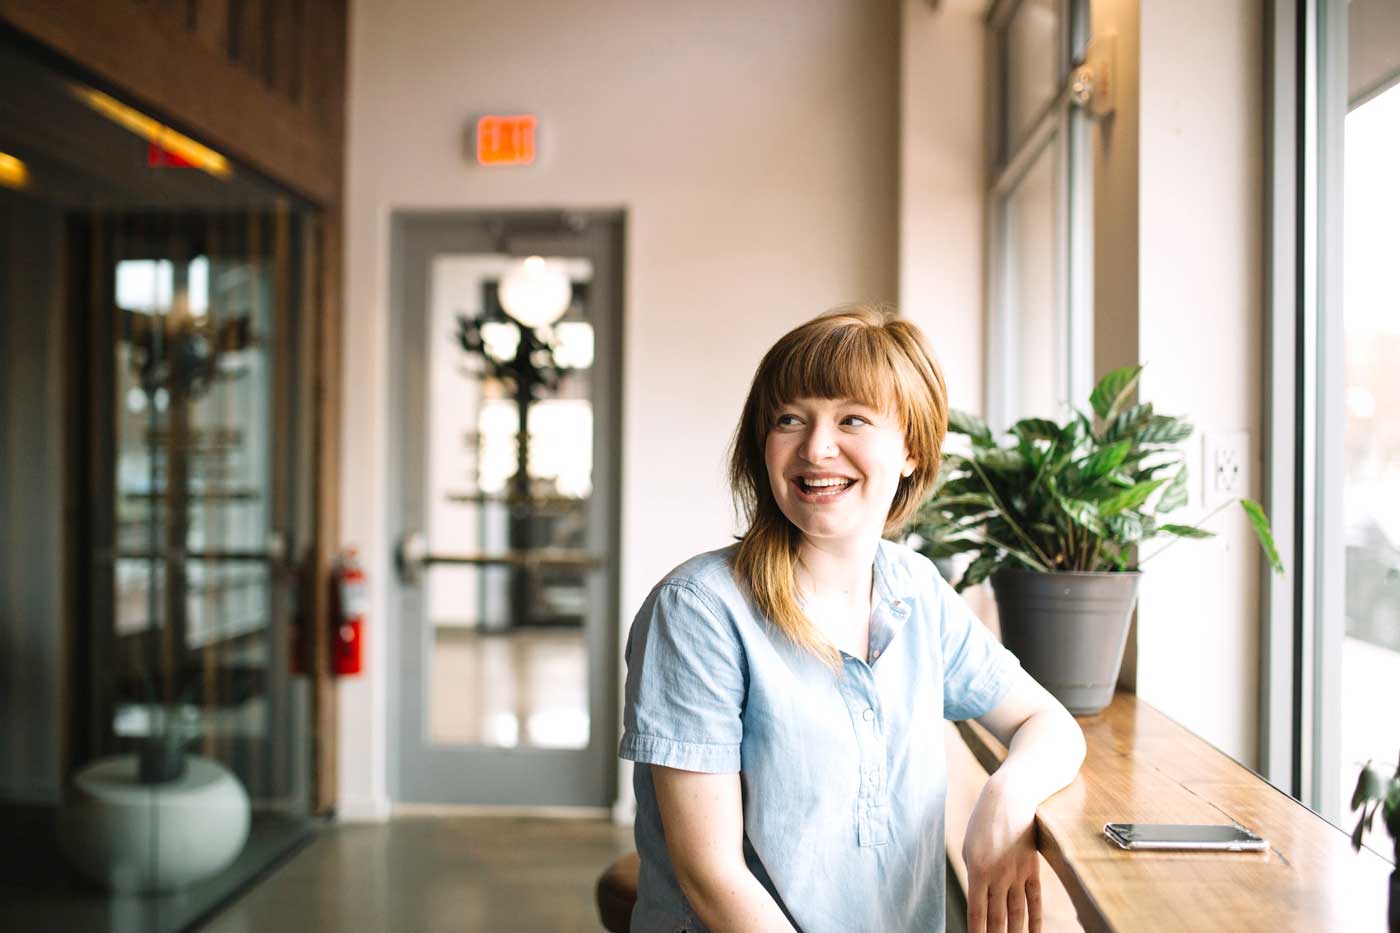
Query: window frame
[1068, 129]
[1303, 610]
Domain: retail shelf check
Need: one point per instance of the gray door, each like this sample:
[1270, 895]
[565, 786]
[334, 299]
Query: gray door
[505, 432]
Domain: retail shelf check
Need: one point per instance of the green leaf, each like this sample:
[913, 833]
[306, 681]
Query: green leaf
[963, 422]
[1391, 810]
[1101, 491]
[1128, 422]
[1150, 472]
[1357, 833]
[1074, 433]
[1186, 531]
[1114, 391]
[1175, 495]
[1103, 461]
[1126, 527]
[1082, 513]
[1163, 429]
[979, 570]
[954, 486]
[1369, 786]
[949, 503]
[1030, 562]
[1036, 429]
[1002, 460]
[1129, 498]
[948, 547]
[1260, 522]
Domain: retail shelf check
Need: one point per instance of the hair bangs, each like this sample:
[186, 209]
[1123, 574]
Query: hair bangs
[848, 359]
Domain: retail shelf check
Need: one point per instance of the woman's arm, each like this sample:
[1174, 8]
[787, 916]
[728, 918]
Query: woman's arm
[1045, 749]
[703, 818]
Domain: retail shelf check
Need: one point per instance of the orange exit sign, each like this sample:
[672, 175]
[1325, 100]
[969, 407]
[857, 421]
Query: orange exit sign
[505, 140]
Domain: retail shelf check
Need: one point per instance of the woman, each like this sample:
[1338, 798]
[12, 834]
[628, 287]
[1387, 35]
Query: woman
[785, 694]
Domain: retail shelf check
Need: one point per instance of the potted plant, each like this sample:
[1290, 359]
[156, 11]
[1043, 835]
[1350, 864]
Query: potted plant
[1054, 518]
[1374, 793]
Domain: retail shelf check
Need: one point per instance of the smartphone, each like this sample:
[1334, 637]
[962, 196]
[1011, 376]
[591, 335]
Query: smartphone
[1227, 837]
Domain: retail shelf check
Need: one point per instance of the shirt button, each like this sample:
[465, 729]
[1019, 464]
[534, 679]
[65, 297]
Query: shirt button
[869, 715]
[876, 652]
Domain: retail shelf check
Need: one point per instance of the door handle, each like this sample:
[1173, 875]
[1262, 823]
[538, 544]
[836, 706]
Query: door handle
[412, 556]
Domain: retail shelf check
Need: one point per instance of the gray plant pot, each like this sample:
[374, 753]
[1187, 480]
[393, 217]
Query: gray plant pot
[1068, 630]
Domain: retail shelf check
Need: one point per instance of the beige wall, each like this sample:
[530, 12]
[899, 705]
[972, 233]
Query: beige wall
[753, 145]
[1200, 334]
[942, 187]
[775, 158]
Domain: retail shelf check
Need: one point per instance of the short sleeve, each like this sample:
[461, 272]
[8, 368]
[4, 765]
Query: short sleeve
[977, 671]
[685, 684]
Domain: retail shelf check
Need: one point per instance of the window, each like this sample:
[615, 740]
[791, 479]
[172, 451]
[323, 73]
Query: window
[1041, 317]
[1332, 634]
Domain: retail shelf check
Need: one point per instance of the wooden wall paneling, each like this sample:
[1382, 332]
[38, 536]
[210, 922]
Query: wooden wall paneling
[327, 473]
[294, 33]
[211, 24]
[324, 63]
[146, 55]
[326, 44]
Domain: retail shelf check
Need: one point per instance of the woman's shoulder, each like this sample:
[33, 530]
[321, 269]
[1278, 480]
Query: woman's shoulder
[699, 595]
[710, 574]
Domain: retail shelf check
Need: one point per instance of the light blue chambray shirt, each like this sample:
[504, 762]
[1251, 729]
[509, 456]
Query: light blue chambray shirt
[843, 779]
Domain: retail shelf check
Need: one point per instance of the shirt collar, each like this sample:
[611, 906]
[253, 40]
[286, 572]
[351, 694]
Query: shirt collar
[893, 582]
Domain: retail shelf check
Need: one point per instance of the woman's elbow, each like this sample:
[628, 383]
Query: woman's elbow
[708, 891]
[1076, 746]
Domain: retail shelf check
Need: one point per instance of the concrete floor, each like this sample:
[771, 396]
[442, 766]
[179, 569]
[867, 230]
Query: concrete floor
[436, 873]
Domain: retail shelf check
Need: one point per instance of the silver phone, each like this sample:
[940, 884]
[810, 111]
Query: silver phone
[1226, 837]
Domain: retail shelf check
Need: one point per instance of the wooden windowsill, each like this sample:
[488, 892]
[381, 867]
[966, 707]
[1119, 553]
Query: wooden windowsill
[1142, 767]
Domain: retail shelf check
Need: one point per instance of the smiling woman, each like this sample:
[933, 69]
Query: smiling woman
[784, 695]
[819, 450]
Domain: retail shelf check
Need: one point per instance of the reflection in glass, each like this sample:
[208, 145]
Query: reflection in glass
[1371, 282]
[153, 739]
[1034, 332]
[508, 653]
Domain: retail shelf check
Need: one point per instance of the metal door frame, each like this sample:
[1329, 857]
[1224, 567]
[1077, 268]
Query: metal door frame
[488, 775]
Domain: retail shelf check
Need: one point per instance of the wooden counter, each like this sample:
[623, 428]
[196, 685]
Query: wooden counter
[1142, 767]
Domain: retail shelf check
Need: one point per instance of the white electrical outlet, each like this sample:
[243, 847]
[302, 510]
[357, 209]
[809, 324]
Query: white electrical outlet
[1224, 467]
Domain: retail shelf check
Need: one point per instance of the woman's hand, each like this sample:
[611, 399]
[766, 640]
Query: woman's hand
[1003, 865]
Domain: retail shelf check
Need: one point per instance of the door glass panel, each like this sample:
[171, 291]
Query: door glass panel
[1371, 647]
[506, 514]
[1035, 338]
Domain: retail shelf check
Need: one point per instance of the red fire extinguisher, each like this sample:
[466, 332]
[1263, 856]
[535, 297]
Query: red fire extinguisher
[352, 603]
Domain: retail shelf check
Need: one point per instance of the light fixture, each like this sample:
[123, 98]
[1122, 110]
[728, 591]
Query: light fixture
[158, 134]
[535, 293]
[13, 172]
[500, 339]
[573, 347]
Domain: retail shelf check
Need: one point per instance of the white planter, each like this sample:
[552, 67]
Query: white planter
[133, 837]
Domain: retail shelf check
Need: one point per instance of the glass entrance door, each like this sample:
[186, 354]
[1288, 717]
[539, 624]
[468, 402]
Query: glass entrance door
[506, 347]
[156, 316]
